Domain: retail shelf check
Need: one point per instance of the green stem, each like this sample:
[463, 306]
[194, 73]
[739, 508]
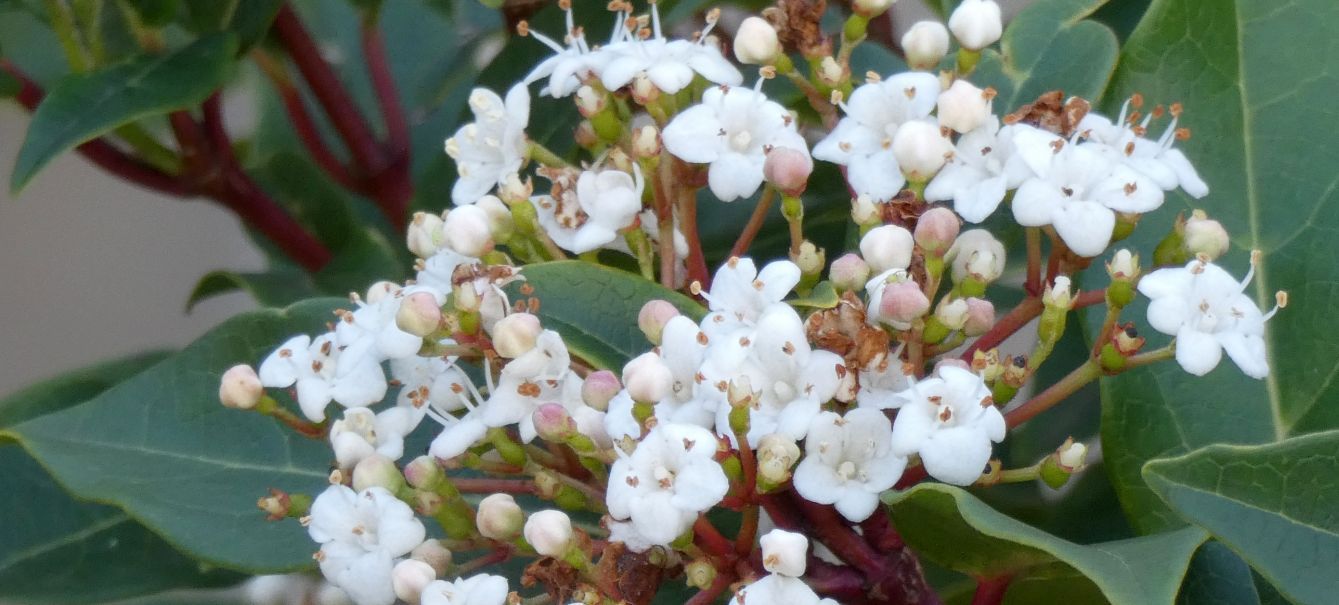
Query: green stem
[1070, 384]
[543, 155]
[62, 22]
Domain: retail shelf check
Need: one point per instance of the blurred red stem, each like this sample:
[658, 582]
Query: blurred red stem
[305, 127]
[990, 591]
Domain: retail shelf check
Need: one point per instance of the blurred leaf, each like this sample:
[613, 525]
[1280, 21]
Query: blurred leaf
[1254, 112]
[823, 296]
[1217, 577]
[1122, 16]
[1277, 505]
[155, 13]
[278, 288]
[952, 528]
[249, 19]
[193, 474]
[595, 308]
[1050, 45]
[84, 106]
[54, 549]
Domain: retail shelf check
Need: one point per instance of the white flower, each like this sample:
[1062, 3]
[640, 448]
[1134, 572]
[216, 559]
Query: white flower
[374, 321]
[881, 380]
[361, 534]
[1079, 194]
[460, 432]
[976, 253]
[784, 552]
[950, 420]
[669, 64]
[776, 589]
[482, 589]
[987, 162]
[732, 129]
[541, 375]
[604, 203]
[1207, 311]
[1157, 160]
[740, 293]
[848, 462]
[863, 140]
[570, 64]
[323, 372]
[666, 482]
[493, 146]
[362, 433]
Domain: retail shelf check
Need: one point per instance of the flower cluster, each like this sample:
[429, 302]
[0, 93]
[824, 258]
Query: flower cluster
[795, 392]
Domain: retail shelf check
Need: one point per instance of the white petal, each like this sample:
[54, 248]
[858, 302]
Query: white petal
[1167, 314]
[956, 455]
[857, 505]
[1035, 202]
[975, 203]
[1248, 352]
[734, 175]
[1190, 180]
[1196, 351]
[817, 482]
[1167, 283]
[876, 175]
[694, 135]
[1084, 226]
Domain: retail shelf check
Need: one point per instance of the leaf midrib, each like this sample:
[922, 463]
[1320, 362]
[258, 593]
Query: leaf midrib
[36, 550]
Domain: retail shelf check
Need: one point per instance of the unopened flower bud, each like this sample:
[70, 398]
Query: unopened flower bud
[871, 8]
[499, 517]
[830, 72]
[920, 149]
[585, 135]
[379, 291]
[740, 392]
[978, 255]
[423, 472]
[420, 314]
[964, 107]
[553, 423]
[1124, 265]
[590, 101]
[644, 90]
[240, 388]
[863, 210]
[756, 42]
[903, 302]
[980, 317]
[1059, 294]
[952, 313]
[976, 23]
[925, 44]
[936, 230]
[499, 217]
[550, 532]
[849, 272]
[1072, 456]
[646, 142]
[599, 388]
[409, 578]
[424, 236]
[466, 231]
[647, 378]
[515, 334]
[433, 553]
[810, 259]
[1205, 236]
[377, 471]
[777, 454]
[513, 190]
[785, 553]
[887, 247]
[788, 169]
[653, 317]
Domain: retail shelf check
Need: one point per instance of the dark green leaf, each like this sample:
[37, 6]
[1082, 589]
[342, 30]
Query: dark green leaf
[162, 448]
[1217, 577]
[277, 288]
[54, 549]
[952, 528]
[1254, 111]
[1050, 45]
[249, 19]
[595, 308]
[1276, 505]
[154, 13]
[84, 106]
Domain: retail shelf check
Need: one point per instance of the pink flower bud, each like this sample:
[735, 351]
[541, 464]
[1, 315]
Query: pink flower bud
[788, 169]
[785, 553]
[420, 314]
[553, 423]
[980, 317]
[599, 388]
[499, 517]
[466, 231]
[925, 44]
[756, 42]
[647, 378]
[653, 317]
[240, 388]
[423, 472]
[850, 272]
[424, 236]
[433, 553]
[515, 334]
[936, 230]
[903, 302]
[550, 532]
[409, 578]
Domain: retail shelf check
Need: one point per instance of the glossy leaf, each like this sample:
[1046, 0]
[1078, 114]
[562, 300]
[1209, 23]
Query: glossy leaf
[595, 308]
[72, 388]
[249, 19]
[1277, 505]
[81, 107]
[162, 448]
[276, 288]
[952, 528]
[1253, 112]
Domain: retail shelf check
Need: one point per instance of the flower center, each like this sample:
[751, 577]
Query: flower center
[664, 477]
[739, 141]
[846, 470]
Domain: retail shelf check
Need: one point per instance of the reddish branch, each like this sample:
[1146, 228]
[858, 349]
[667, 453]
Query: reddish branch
[305, 127]
[1007, 325]
[990, 591]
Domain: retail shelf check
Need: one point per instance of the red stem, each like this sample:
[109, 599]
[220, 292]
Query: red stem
[1007, 325]
[826, 525]
[697, 263]
[305, 127]
[755, 223]
[383, 85]
[710, 539]
[330, 93]
[990, 591]
[911, 476]
[1090, 298]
